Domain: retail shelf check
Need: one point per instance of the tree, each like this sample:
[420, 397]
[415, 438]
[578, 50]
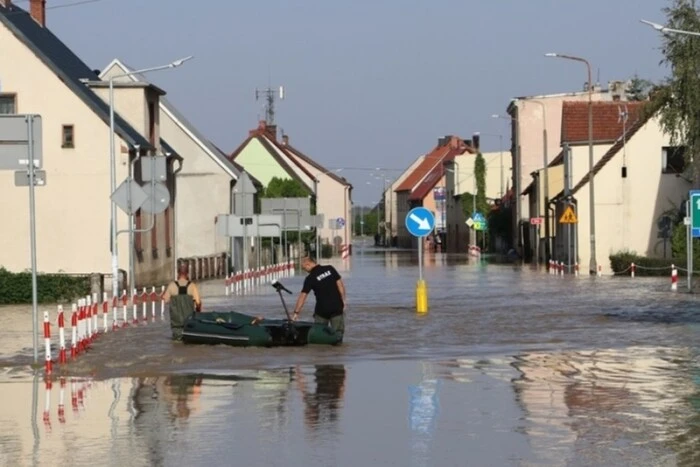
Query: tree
[480, 174]
[678, 98]
[639, 88]
[289, 188]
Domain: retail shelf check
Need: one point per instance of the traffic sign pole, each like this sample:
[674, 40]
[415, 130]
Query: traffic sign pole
[32, 234]
[419, 223]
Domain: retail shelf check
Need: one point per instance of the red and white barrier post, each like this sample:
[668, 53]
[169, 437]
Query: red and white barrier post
[135, 305]
[144, 304]
[47, 342]
[600, 270]
[154, 298]
[125, 304]
[674, 278]
[95, 312]
[87, 317]
[105, 312]
[115, 305]
[576, 269]
[47, 403]
[632, 269]
[74, 331]
[61, 336]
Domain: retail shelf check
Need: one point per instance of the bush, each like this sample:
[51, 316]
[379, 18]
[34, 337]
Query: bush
[16, 288]
[622, 261]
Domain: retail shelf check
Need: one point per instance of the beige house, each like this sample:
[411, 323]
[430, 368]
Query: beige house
[638, 181]
[426, 186]
[391, 219]
[203, 186]
[264, 157]
[40, 75]
[607, 127]
[529, 116]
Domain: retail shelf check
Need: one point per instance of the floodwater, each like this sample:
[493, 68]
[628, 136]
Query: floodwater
[511, 366]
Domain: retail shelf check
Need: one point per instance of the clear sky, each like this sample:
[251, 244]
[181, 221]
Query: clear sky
[368, 82]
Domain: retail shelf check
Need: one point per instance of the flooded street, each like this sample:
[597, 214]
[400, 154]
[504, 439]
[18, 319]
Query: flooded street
[511, 366]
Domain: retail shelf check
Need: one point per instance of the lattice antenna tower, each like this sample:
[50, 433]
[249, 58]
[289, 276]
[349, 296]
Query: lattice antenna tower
[269, 96]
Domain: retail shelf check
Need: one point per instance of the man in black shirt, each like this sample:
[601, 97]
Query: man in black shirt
[329, 291]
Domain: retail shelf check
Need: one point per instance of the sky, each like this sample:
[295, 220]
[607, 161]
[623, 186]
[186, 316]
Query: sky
[368, 83]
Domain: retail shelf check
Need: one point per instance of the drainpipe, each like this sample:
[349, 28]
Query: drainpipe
[174, 198]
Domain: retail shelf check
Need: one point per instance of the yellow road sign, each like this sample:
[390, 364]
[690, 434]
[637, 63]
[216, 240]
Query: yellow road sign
[569, 217]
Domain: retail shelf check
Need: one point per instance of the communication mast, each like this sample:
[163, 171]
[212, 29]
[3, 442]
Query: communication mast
[269, 95]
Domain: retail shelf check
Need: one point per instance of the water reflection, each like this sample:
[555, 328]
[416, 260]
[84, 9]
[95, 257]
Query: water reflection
[322, 405]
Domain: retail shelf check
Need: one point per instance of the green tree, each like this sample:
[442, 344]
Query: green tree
[289, 188]
[370, 226]
[480, 174]
[678, 98]
[639, 88]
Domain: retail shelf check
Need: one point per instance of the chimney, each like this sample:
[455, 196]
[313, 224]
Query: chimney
[271, 131]
[475, 139]
[285, 140]
[37, 8]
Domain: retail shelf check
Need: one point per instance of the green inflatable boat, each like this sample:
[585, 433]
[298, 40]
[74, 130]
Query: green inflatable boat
[240, 329]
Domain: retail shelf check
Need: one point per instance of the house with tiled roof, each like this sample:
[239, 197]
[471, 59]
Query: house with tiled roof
[607, 127]
[205, 182]
[640, 180]
[425, 186]
[390, 204]
[264, 156]
[528, 116]
[41, 75]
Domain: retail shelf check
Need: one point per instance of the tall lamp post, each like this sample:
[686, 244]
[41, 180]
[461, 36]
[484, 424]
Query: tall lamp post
[665, 30]
[112, 164]
[593, 266]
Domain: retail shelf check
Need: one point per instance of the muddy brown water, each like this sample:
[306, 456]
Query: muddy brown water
[510, 366]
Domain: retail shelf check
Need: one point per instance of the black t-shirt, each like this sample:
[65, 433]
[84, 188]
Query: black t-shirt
[323, 281]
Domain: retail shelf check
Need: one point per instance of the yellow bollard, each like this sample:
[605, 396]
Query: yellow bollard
[421, 297]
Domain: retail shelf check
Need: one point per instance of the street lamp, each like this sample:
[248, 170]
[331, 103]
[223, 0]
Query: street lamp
[665, 30]
[593, 264]
[113, 169]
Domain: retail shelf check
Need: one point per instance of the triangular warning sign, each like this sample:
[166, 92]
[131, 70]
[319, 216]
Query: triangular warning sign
[568, 217]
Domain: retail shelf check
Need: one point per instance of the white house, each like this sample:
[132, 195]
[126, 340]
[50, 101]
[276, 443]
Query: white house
[204, 185]
[640, 180]
[40, 75]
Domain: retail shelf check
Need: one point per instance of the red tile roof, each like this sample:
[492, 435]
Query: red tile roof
[422, 190]
[431, 165]
[633, 126]
[607, 126]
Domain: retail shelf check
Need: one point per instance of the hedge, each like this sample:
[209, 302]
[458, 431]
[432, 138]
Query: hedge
[620, 262]
[16, 288]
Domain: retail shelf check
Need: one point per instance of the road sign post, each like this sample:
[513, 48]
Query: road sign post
[420, 222]
[693, 211]
[20, 150]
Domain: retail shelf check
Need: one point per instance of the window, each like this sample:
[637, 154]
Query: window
[672, 159]
[67, 138]
[7, 104]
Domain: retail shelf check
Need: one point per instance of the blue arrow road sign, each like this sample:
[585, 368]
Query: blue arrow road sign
[420, 222]
[695, 213]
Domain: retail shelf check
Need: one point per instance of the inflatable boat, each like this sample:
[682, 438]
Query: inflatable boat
[240, 329]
